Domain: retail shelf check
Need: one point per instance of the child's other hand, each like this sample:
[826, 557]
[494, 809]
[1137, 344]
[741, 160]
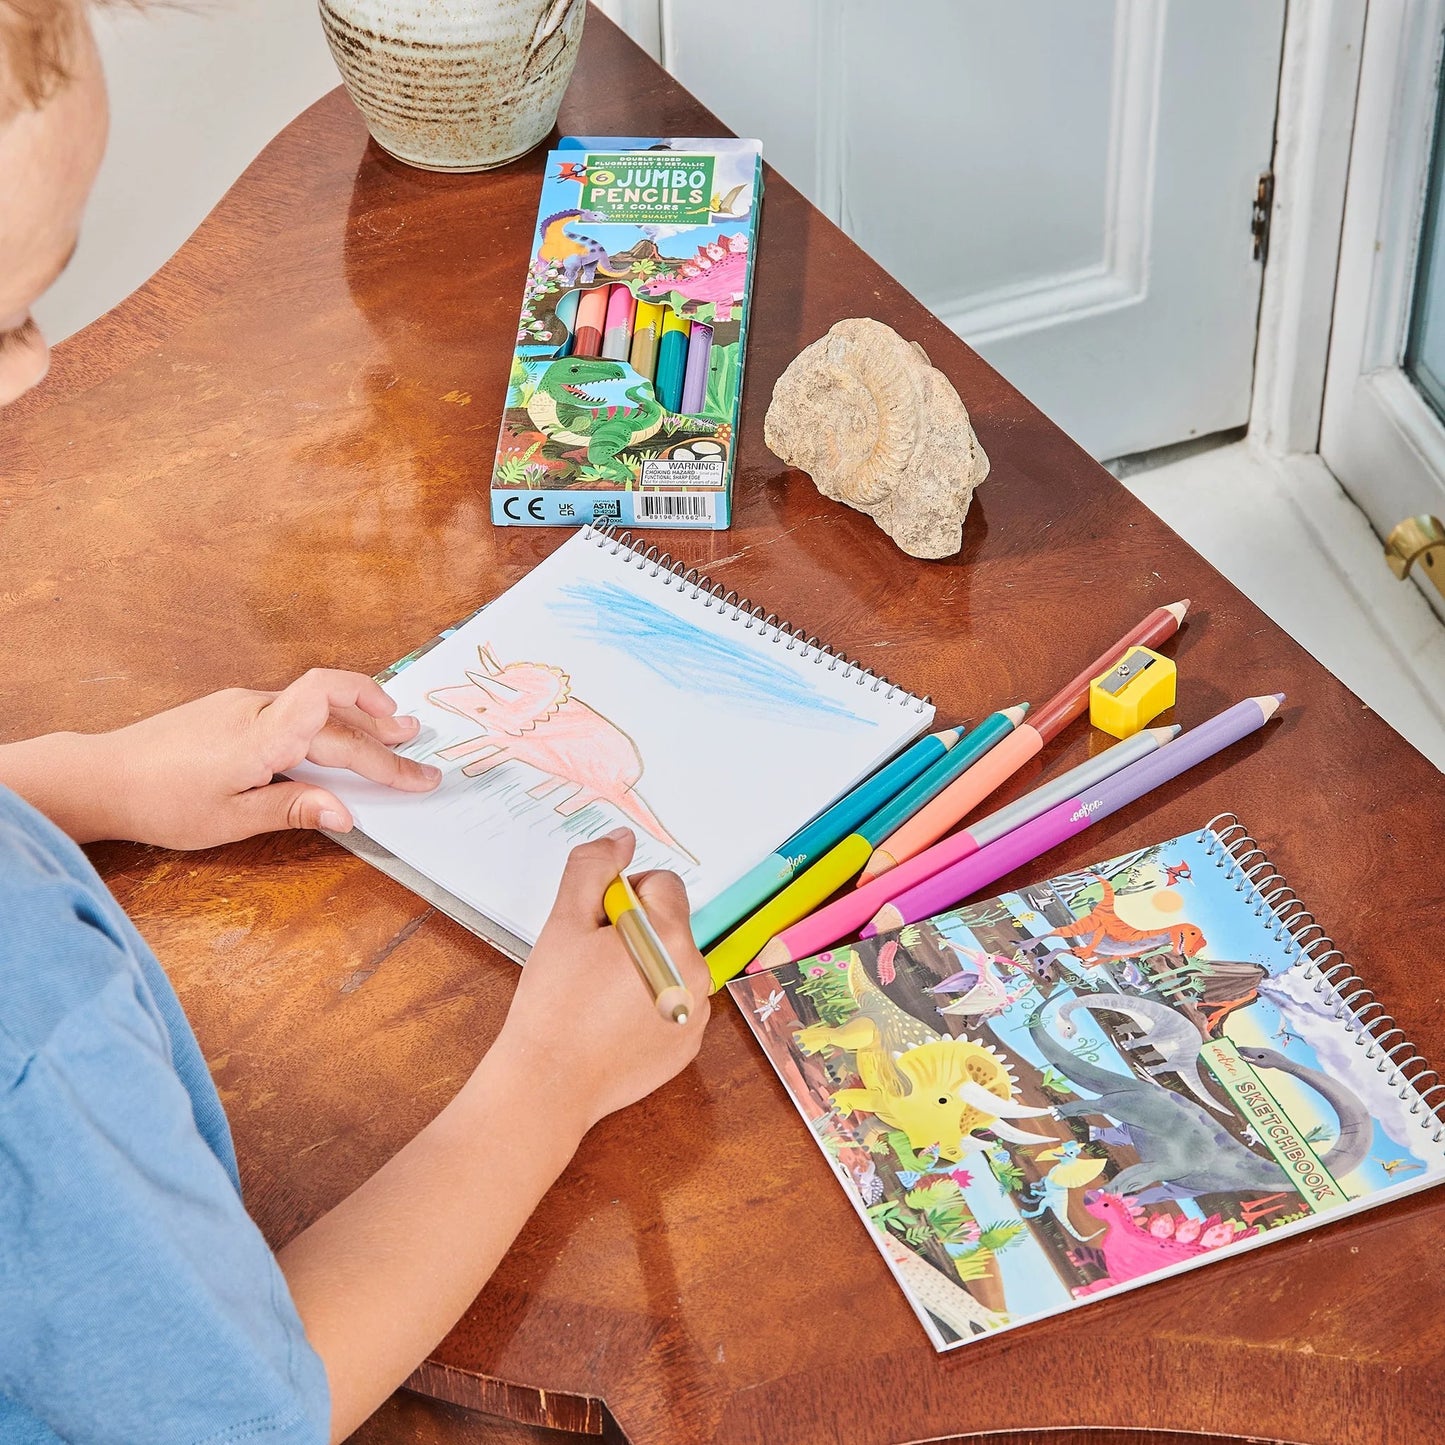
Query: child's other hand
[582, 1020]
[201, 774]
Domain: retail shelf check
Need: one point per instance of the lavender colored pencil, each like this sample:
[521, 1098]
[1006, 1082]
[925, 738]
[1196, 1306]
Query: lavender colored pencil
[1072, 816]
[694, 378]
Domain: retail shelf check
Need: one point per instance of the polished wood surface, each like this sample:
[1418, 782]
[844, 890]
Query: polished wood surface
[276, 455]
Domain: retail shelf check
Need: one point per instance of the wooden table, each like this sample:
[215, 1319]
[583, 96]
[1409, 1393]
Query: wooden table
[275, 454]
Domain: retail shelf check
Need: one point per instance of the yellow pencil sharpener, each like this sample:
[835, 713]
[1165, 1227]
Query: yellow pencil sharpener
[1133, 693]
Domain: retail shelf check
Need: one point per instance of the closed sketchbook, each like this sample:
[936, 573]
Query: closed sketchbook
[609, 688]
[1139, 1068]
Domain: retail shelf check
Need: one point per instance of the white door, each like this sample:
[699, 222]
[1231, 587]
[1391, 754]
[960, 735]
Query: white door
[1067, 185]
[1381, 431]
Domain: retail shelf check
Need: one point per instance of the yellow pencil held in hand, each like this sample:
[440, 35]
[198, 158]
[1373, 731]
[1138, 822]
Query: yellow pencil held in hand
[625, 912]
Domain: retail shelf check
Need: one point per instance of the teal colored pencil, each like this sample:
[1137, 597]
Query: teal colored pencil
[671, 359]
[812, 840]
[898, 810]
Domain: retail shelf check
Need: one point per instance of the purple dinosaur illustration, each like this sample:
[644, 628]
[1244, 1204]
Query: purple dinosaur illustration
[718, 273]
[528, 713]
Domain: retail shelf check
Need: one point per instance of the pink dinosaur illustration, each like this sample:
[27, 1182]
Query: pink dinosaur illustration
[717, 273]
[529, 714]
[1131, 1248]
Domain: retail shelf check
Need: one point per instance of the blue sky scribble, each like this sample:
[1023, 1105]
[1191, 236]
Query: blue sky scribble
[689, 657]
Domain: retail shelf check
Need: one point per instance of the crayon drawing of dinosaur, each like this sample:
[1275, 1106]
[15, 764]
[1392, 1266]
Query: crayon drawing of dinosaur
[529, 714]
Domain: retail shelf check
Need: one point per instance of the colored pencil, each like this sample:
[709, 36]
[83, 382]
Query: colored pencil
[567, 316]
[591, 317]
[954, 885]
[627, 915]
[694, 377]
[812, 840]
[617, 326]
[646, 327]
[956, 802]
[838, 919]
[728, 958]
[671, 359]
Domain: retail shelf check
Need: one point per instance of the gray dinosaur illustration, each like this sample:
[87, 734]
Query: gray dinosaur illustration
[1170, 1034]
[1178, 1143]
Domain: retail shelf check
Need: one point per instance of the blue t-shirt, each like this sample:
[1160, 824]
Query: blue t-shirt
[138, 1302]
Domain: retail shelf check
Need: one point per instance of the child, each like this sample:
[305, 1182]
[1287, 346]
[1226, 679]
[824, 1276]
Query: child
[137, 1299]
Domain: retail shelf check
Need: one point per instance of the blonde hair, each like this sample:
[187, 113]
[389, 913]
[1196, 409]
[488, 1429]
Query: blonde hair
[37, 44]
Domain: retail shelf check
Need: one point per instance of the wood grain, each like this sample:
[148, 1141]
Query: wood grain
[275, 455]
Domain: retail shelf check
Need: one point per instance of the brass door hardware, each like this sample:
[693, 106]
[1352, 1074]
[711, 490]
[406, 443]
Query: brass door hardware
[1418, 539]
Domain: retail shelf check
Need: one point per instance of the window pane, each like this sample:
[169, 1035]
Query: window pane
[1425, 350]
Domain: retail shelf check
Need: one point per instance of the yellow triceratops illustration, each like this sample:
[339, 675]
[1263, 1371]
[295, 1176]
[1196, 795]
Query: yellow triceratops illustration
[938, 1090]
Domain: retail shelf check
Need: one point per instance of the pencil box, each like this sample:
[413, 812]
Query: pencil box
[626, 382]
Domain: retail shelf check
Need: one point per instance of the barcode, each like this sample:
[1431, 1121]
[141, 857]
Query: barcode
[675, 507]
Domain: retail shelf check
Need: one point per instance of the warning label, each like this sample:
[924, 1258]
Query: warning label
[675, 472]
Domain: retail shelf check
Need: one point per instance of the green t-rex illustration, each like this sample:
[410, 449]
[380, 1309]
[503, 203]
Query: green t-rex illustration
[564, 408]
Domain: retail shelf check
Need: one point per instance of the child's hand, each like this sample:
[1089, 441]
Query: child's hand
[201, 774]
[582, 1020]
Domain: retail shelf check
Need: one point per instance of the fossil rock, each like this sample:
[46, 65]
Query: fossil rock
[866, 415]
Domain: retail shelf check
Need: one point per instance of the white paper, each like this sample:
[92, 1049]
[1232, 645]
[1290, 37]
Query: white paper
[704, 729]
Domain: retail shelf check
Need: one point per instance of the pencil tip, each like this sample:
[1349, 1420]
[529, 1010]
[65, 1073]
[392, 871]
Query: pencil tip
[880, 862]
[1017, 713]
[884, 921]
[1269, 703]
[1165, 734]
[1178, 608]
[772, 953]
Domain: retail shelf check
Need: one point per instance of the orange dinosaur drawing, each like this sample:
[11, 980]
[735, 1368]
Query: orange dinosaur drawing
[1101, 933]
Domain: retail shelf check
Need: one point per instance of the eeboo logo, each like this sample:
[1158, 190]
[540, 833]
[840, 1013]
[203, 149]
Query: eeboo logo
[1083, 812]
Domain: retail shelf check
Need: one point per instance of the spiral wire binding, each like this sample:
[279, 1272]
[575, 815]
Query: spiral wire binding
[1228, 843]
[698, 587]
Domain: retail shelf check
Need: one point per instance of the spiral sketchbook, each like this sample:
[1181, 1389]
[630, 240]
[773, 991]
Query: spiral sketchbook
[610, 688]
[1098, 1081]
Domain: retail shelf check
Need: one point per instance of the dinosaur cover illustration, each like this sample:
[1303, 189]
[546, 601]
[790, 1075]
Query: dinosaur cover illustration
[1092, 1082]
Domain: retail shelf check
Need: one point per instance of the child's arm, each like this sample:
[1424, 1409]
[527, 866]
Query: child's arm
[201, 774]
[381, 1279]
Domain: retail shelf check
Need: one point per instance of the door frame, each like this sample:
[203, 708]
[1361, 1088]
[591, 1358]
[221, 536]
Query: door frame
[1375, 425]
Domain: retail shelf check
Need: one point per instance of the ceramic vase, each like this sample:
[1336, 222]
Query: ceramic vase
[455, 85]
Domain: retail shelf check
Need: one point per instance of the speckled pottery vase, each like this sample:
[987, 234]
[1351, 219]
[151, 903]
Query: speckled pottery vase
[455, 85]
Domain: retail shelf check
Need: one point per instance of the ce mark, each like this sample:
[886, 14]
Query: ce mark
[534, 509]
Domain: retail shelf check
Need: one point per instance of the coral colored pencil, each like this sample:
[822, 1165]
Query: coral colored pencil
[1023, 845]
[824, 928]
[961, 797]
[591, 317]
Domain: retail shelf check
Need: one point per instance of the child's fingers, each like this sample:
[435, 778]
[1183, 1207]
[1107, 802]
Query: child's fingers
[339, 745]
[590, 868]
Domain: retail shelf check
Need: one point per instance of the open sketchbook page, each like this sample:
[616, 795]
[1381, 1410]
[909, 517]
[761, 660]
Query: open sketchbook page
[1093, 1082]
[601, 691]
